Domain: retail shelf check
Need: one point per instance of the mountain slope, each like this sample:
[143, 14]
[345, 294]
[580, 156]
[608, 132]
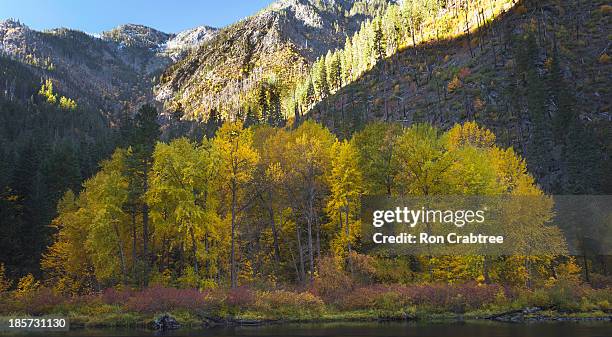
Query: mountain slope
[480, 77]
[276, 45]
[108, 73]
[101, 73]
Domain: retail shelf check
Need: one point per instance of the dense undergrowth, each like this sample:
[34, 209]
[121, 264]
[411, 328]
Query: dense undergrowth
[334, 297]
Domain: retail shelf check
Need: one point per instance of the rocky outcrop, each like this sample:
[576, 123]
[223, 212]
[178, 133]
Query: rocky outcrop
[165, 322]
[185, 41]
[536, 314]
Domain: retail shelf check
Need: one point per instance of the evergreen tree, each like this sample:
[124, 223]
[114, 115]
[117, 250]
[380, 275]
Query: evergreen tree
[213, 123]
[275, 116]
[562, 99]
[145, 136]
[378, 43]
[541, 143]
[262, 101]
[251, 118]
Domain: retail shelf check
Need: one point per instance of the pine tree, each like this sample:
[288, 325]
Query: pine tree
[334, 70]
[347, 62]
[251, 118]
[541, 143]
[262, 101]
[562, 99]
[213, 123]
[378, 43]
[145, 136]
[320, 81]
[582, 158]
[275, 116]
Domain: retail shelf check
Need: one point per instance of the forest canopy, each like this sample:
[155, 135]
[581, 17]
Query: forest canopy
[264, 204]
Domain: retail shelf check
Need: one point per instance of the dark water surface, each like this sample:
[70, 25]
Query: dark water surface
[467, 329]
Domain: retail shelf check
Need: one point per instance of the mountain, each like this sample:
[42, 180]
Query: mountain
[185, 41]
[131, 35]
[110, 72]
[537, 74]
[275, 45]
[105, 73]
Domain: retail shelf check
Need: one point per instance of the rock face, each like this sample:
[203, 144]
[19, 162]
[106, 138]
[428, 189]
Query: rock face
[131, 35]
[279, 42]
[187, 40]
[166, 322]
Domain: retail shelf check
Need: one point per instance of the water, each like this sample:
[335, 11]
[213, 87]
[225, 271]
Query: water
[467, 329]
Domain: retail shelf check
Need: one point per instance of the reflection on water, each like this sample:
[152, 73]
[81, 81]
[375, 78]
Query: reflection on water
[468, 329]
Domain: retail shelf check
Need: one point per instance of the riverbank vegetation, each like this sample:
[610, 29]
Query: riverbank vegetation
[341, 298]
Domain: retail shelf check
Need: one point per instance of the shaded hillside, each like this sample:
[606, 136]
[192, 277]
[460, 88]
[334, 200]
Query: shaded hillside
[44, 150]
[273, 46]
[488, 80]
[102, 74]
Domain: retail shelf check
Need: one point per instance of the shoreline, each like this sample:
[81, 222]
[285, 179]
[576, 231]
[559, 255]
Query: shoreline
[188, 320]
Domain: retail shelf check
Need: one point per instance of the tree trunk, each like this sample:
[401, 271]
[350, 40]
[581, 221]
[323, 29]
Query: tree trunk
[414, 46]
[300, 253]
[310, 245]
[134, 244]
[145, 224]
[274, 232]
[195, 251]
[121, 255]
[485, 269]
[233, 277]
[587, 278]
[528, 269]
[348, 238]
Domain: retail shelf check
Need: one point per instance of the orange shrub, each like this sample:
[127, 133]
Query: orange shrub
[454, 84]
[479, 104]
[331, 282]
[288, 303]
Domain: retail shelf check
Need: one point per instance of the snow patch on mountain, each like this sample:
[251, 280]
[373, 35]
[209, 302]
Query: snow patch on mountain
[187, 40]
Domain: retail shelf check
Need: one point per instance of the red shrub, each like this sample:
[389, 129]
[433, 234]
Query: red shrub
[464, 72]
[240, 297]
[41, 301]
[158, 299]
[364, 297]
[114, 296]
[454, 297]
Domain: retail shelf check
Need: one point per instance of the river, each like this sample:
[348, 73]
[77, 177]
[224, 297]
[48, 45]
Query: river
[392, 329]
